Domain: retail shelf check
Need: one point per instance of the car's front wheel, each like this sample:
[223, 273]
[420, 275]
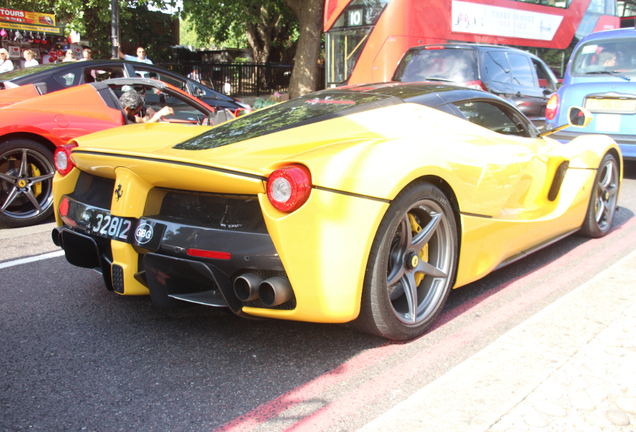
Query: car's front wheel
[26, 183]
[412, 265]
[603, 199]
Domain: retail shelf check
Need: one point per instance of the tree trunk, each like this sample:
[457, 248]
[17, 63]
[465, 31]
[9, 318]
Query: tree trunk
[305, 76]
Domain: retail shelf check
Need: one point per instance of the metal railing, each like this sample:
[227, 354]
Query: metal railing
[241, 79]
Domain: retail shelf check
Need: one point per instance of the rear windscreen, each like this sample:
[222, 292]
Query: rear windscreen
[605, 57]
[456, 65]
[308, 109]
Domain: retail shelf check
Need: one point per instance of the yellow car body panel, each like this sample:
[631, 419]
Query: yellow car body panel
[333, 229]
[358, 163]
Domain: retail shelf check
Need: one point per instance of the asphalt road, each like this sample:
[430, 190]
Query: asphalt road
[77, 357]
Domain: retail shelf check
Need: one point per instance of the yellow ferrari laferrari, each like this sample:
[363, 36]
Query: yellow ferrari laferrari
[364, 204]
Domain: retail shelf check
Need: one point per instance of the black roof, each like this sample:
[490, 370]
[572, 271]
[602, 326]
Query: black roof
[431, 94]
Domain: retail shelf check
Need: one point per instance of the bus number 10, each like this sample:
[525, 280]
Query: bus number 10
[355, 17]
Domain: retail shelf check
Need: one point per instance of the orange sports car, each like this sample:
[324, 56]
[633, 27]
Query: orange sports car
[33, 126]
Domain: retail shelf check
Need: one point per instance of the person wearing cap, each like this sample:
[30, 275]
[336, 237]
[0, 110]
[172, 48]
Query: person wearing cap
[141, 56]
[6, 64]
[29, 56]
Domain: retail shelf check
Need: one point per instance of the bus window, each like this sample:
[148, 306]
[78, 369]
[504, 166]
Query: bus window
[349, 35]
[343, 49]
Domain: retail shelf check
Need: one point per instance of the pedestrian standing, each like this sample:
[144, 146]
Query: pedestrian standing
[29, 56]
[87, 54]
[6, 64]
[68, 56]
[141, 56]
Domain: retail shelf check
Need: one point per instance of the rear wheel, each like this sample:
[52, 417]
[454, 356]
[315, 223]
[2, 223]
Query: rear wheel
[603, 199]
[412, 265]
[26, 177]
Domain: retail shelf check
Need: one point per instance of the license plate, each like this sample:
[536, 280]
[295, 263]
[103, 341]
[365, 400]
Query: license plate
[103, 224]
[99, 222]
[611, 105]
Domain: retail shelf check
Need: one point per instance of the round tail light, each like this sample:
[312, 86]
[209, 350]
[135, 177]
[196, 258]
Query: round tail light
[62, 158]
[289, 187]
[551, 107]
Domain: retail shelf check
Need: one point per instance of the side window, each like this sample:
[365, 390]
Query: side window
[521, 71]
[493, 117]
[155, 100]
[101, 73]
[545, 80]
[145, 72]
[496, 67]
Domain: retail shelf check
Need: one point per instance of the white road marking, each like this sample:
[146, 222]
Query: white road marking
[32, 259]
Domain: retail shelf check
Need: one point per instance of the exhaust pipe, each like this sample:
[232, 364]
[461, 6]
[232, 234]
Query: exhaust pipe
[275, 291]
[246, 286]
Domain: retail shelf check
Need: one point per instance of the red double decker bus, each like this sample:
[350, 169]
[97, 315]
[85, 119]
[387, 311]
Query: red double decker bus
[365, 39]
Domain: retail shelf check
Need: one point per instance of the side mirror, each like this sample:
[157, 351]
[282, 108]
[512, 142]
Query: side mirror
[198, 92]
[577, 117]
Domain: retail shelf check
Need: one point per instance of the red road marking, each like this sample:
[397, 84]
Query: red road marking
[369, 391]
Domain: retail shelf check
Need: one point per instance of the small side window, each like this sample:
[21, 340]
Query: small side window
[67, 79]
[493, 117]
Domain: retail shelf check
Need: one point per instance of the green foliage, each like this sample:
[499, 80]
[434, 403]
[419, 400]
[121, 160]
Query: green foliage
[91, 18]
[268, 27]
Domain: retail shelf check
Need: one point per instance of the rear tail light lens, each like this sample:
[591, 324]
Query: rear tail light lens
[289, 187]
[552, 107]
[62, 158]
[477, 84]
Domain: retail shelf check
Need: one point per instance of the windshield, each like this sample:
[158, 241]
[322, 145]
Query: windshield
[297, 112]
[343, 50]
[605, 57]
[456, 65]
[348, 36]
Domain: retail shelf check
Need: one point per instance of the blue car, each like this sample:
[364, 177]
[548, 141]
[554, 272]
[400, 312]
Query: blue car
[601, 76]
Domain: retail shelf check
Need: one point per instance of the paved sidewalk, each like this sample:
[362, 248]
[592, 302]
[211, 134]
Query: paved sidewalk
[571, 367]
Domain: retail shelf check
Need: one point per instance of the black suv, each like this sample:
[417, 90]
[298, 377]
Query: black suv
[518, 76]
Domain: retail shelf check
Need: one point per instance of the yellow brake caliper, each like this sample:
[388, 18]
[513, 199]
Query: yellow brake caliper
[416, 228]
[37, 188]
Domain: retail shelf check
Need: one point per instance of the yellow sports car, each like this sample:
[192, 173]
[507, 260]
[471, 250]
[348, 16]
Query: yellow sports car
[364, 204]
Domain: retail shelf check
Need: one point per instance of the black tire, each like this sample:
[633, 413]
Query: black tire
[26, 183]
[400, 261]
[603, 199]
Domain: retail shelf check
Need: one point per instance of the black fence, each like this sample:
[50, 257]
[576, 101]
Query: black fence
[242, 79]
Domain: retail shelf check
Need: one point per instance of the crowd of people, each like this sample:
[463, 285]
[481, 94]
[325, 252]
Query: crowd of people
[6, 64]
